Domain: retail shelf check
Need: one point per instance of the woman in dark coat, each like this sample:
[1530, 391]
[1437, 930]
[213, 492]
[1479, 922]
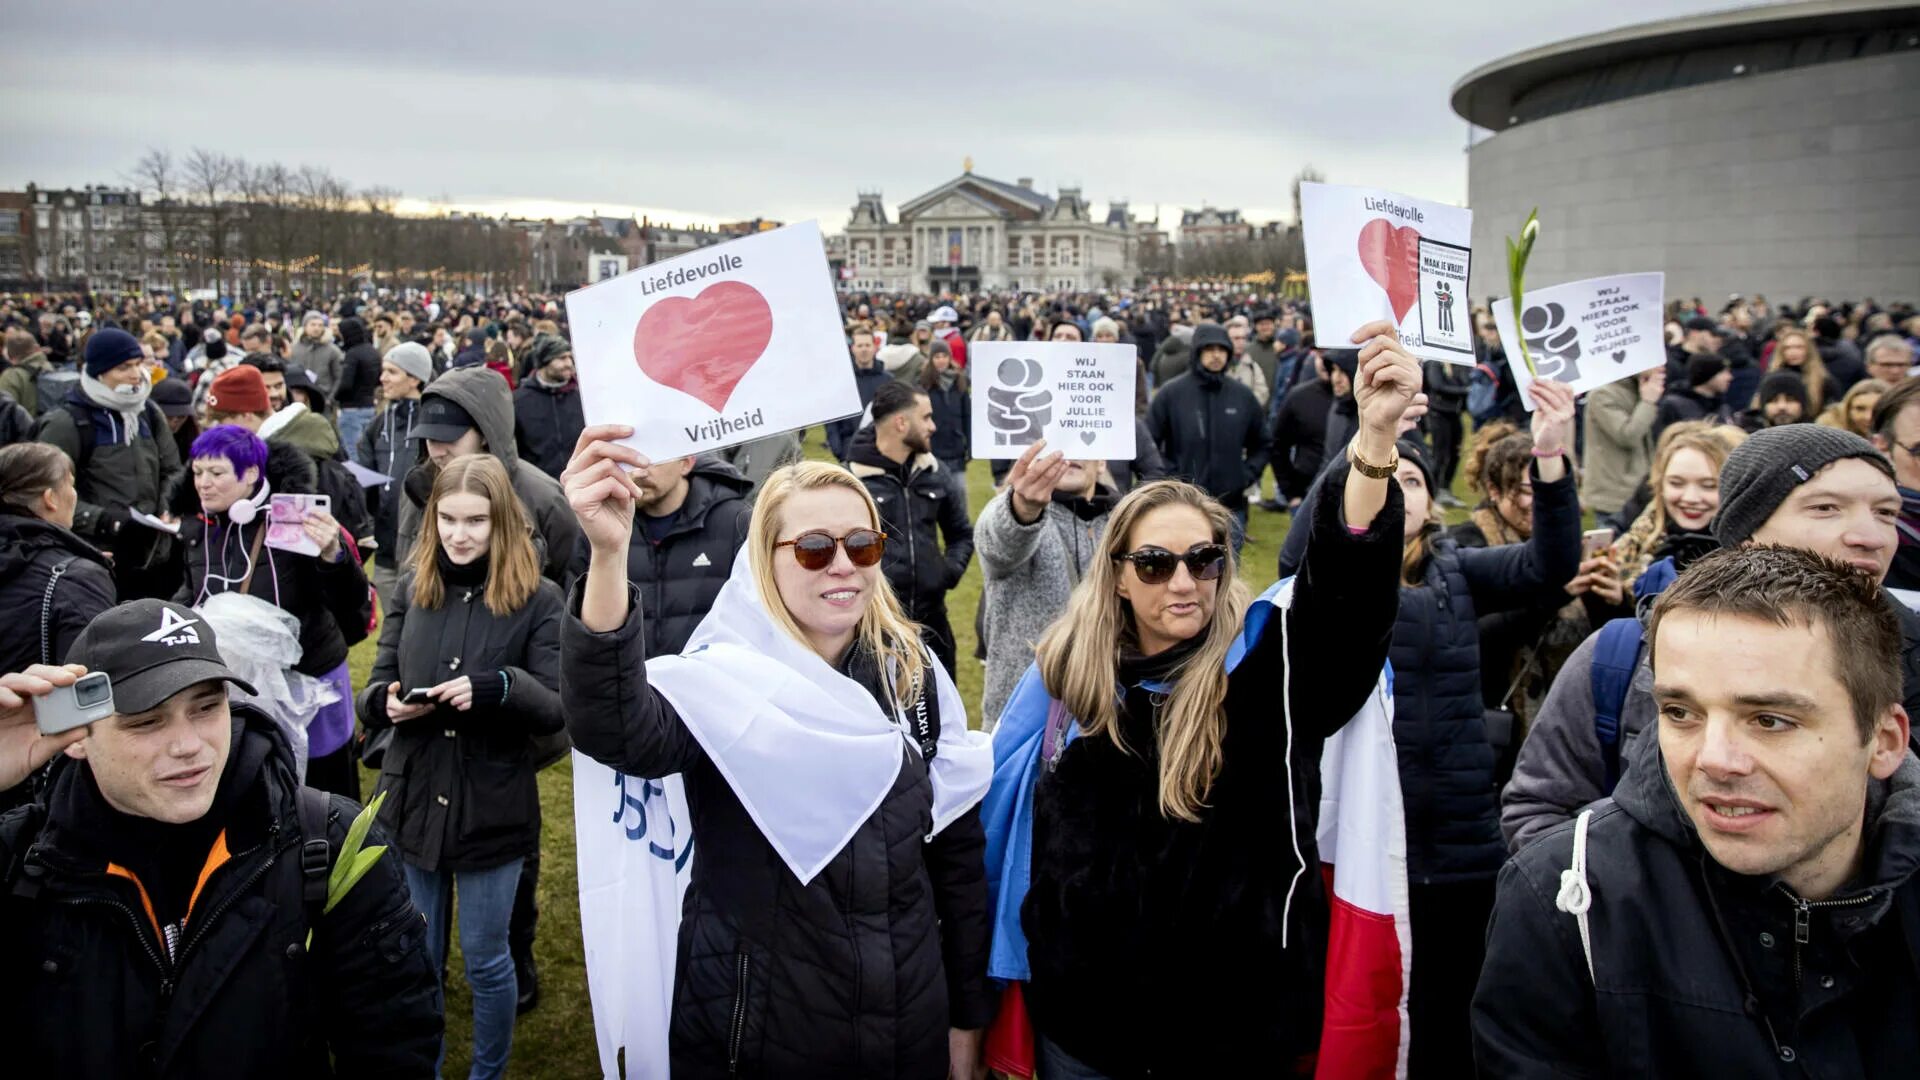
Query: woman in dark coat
[476, 628]
[1175, 917]
[947, 388]
[835, 923]
[1446, 763]
[52, 583]
[327, 593]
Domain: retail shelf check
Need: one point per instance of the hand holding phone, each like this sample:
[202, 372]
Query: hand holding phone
[1594, 541]
[419, 695]
[24, 747]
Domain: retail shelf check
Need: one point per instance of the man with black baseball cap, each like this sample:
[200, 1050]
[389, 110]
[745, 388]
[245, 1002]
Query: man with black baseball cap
[162, 906]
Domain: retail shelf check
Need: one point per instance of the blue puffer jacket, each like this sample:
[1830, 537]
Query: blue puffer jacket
[1446, 764]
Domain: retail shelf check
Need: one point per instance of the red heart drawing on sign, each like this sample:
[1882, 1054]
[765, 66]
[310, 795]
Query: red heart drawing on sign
[1392, 258]
[705, 345]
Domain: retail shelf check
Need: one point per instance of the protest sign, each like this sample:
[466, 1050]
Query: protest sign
[1376, 255]
[1076, 395]
[721, 346]
[1586, 333]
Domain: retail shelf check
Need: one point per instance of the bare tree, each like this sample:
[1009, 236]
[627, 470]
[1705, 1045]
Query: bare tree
[155, 174]
[1307, 175]
[211, 179]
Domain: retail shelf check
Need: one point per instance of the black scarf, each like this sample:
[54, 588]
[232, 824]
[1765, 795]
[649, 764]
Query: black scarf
[471, 576]
[1161, 666]
[1088, 507]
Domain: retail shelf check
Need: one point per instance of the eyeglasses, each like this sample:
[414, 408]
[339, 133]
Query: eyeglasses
[1155, 566]
[813, 549]
[1913, 451]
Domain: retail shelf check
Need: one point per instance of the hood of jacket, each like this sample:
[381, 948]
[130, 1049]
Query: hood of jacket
[1892, 830]
[483, 393]
[864, 458]
[23, 537]
[353, 332]
[1203, 336]
[712, 483]
[303, 428]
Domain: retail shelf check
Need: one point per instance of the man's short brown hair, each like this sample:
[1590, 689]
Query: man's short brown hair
[1794, 587]
[1892, 403]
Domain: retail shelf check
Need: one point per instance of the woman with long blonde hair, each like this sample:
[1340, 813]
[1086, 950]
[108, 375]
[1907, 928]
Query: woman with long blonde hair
[1685, 484]
[835, 921]
[1793, 350]
[468, 669]
[1151, 826]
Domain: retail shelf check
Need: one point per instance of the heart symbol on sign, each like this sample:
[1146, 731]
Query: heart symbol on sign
[1620, 357]
[1392, 258]
[705, 345]
[1087, 437]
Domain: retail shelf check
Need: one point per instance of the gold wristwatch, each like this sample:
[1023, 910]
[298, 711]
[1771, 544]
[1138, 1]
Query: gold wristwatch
[1366, 468]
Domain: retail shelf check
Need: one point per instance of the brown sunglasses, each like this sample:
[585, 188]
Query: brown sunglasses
[1156, 565]
[813, 549]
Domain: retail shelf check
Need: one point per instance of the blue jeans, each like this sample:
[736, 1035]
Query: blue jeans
[352, 423]
[1056, 1064]
[486, 905]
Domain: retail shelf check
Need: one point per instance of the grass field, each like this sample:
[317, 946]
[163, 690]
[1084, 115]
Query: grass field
[556, 1039]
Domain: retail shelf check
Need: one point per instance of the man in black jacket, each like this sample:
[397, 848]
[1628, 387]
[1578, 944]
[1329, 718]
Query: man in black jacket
[1702, 398]
[359, 378]
[920, 505]
[868, 376]
[1745, 904]
[547, 413]
[1211, 428]
[162, 911]
[687, 528]
[1300, 433]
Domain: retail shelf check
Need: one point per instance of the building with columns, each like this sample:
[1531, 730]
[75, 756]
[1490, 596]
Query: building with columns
[972, 234]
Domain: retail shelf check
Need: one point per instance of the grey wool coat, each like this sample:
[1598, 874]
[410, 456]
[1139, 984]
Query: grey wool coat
[1030, 571]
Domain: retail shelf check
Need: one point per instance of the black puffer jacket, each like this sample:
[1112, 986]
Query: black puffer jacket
[921, 505]
[679, 577]
[30, 551]
[860, 973]
[330, 599]
[385, 448]
[461, 785]
[359, 368]
[1698, 971]
[1211, 428]
[547, 421]
[85, 989]
[1447, 779]
[1156, 945]
[952, 420]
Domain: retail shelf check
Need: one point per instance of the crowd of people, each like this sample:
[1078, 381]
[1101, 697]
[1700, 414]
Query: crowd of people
[1649, 691]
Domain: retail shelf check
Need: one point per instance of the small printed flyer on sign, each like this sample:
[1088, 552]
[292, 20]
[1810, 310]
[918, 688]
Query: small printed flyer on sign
[1585, 333]
[1076, 395]
[718, 347]
[1373, 255]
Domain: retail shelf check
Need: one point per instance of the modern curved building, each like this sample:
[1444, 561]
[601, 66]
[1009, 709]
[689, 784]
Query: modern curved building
[1771, 150]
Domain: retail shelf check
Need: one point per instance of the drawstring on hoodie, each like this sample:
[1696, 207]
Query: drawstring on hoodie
[1293, 833]
[1576, 896]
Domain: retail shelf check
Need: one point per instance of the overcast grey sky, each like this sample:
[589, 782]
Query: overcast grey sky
[723, 109]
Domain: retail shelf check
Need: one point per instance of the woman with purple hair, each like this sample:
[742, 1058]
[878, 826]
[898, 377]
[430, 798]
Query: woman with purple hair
[223, 512]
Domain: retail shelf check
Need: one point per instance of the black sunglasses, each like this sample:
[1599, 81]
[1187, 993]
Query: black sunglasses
[813, 549]
[1155, 566]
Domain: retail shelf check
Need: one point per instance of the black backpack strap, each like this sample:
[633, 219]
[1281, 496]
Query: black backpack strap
[316, 852]
[46, 609]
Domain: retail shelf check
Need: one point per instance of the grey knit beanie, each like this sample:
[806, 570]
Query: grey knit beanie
[1764, 470]
[412, 358]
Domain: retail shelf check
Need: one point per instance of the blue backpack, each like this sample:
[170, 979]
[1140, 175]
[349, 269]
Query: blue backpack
[1616, 654]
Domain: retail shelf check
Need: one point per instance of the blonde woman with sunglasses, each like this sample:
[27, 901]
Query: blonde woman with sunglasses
[836, 919]
[1157, 887]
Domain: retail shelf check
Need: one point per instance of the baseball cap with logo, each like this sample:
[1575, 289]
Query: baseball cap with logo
[441, 420]
[152, 650]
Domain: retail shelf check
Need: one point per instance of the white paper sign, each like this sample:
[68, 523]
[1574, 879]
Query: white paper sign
[725, 345]
[1586, 333]
[1376, 255]
[141, 518]
[1076, 395]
